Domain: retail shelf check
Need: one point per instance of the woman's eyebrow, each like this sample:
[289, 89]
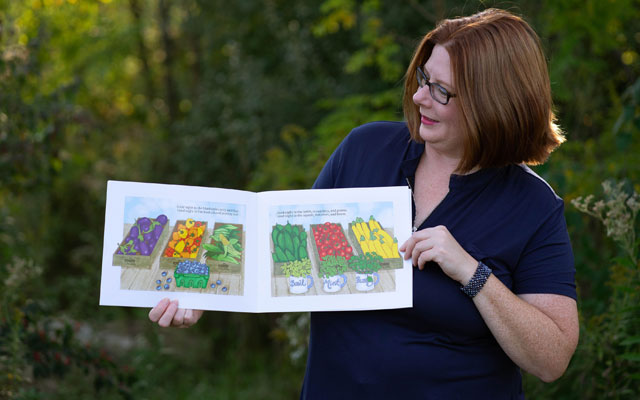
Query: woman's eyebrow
[438, 81]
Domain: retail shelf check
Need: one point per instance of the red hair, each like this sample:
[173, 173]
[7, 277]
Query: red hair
[502, 85]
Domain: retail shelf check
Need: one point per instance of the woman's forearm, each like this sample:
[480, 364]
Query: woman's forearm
[539, 332]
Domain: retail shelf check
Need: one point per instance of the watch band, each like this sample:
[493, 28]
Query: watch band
[477, 281]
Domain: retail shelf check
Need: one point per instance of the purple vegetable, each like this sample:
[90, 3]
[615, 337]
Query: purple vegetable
[162, 219]
[157, 231]
[148, 236]
[144, 223]
[134, 232]
[152, 243]
[144, 249]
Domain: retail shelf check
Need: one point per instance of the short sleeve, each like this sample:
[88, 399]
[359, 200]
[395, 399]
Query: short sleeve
[547, 265]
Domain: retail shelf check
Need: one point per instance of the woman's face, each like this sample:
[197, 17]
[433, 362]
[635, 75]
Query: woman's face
[439, 123]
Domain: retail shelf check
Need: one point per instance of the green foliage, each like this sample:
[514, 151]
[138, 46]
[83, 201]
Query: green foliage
[297, 268]
[366, 263]
[257, 97]
[332, 266]
[36, 349]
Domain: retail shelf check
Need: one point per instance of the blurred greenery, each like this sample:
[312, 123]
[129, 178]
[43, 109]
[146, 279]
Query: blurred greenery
[255, 95]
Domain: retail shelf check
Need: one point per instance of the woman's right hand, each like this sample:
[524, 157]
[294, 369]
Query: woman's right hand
[166, 313]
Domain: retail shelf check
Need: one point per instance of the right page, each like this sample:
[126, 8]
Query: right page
[333, 250]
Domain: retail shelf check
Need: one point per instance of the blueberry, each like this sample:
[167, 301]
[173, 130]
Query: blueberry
[158, 287]
[158, 281]
[224, 289]
[219, 282]
[213, 286]
[168, 280]
[166, 286]
[164, 273]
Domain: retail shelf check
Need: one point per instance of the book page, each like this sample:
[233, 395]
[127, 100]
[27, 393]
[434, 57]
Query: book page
[181, 242]
[334, 249]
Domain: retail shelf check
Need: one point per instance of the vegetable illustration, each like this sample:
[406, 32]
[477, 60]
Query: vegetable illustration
[330, 241]
[289, 243]
[373, 239]
[143, 236]
[185, 242]
[225, 244]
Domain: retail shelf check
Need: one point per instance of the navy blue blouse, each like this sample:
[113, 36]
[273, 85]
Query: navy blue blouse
[440, 348]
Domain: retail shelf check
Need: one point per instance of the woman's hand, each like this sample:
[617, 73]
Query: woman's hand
[166, 313]
[438, 245]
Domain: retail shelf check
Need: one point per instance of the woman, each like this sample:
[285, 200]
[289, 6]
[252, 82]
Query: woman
[478, 107]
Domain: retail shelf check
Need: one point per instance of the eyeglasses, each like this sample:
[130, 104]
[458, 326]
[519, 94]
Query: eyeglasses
[438, 93]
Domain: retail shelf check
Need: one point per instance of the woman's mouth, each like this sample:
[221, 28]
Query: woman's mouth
[427, 121]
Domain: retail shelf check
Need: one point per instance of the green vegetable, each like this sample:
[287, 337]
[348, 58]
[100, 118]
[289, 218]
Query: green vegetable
[225, 244]
[289, 243]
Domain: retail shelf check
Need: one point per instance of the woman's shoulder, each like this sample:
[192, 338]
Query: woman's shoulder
[534, 181]
[369, 156]
[531, 189]
[385, 131]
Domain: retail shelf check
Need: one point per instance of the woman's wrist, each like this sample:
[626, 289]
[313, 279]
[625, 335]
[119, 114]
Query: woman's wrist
[477, 281]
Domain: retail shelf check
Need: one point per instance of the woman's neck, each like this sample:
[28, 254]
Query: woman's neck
[438, 163]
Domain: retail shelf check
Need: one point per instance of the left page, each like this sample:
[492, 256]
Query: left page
[182, 242]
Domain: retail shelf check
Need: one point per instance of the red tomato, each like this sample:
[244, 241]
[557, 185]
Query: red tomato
[334, 237]
[348, 250]
[341, 253]
[337, 245]
[331, 252]
[327, 223]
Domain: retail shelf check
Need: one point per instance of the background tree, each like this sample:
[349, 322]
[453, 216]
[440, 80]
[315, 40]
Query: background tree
[255, 95]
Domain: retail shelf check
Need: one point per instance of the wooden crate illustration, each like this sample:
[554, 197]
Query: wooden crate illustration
[230, 260]
[139, 260]
[394, 262]
[196, 231]
[328, 241]
[288, 243]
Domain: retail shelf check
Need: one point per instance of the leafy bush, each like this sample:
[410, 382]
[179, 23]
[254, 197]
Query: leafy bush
[607, 360]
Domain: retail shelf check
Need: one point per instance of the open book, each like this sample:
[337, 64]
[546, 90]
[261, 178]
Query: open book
[278, 251]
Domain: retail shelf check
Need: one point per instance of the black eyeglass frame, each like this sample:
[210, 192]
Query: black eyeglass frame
[421, 74]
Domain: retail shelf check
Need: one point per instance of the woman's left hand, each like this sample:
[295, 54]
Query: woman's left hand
[438, 245]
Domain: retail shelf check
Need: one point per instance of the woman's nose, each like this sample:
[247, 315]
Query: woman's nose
[422, 96]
